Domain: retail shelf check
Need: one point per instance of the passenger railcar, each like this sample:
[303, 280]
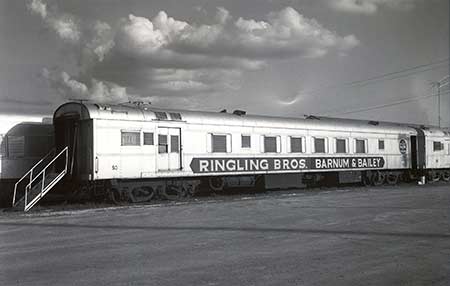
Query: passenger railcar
[137, 151]
[134, 152]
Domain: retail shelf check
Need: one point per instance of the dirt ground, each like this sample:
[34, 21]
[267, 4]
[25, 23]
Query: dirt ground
[344, 236]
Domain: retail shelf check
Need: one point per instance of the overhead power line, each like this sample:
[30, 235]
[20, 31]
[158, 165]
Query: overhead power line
[385, 105]
[408, 72]
[387, 76]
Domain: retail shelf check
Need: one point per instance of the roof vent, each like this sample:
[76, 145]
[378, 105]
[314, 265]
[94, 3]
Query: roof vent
[161, 115]
[239, 112]
[223, 111]
[103, 107]
[375, 123]
[311, 117]
[175, 116]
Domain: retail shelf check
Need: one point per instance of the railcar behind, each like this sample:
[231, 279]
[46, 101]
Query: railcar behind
[21, 147]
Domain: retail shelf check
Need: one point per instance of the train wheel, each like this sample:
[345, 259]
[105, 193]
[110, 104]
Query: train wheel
[378, 178]
[115, 196]
[141, 194]
[392, 178]
[216, 183]
[434, 176]
[173, 192]
[191, 190]
[445, 175]
[367, 178]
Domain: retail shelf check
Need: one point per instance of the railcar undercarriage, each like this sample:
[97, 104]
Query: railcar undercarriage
[141, 191]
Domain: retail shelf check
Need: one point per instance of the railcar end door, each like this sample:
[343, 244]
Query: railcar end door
[414, 152]
[169, 149]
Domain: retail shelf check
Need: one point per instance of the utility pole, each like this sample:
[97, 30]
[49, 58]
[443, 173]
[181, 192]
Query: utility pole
[438, 85]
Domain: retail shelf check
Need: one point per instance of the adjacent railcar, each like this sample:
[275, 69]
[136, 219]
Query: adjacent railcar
[137, 151]
[21, 147]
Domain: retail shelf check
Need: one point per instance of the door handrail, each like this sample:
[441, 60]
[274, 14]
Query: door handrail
[31, 171]
[42, 175]
[43, 170]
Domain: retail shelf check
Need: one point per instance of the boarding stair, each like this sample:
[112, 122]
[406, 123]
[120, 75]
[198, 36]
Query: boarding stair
[40, 179]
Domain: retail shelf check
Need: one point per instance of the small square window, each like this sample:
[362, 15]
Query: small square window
[438, 146]
[245, 141]
[341, 146]
[219, 143]
[360, 146]
[270, 144]
[148, 138]
[380, 144]
[319, 145]
[296, 145]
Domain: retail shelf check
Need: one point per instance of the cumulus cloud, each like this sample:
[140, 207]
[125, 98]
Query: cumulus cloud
[168, 56]
[227, 44]
[64, 25]
[371, 6]
[283, 34]
[94, 39]
[97, 91]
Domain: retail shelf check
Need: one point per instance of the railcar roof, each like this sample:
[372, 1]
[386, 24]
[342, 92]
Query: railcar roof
[31, 129]
[148, 113]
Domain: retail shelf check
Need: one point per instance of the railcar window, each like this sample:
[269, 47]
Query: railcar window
[148, 138]
[219, 143]
[16, 146]
[438, 146]
[341, 146]
[131, 138]
[245, 141]
[270, 144]
[380, 144]
[319, 145]
[162, 144]
[174, 144]
[161, 115]
[296, 145]
[360, 146]
[2, 146]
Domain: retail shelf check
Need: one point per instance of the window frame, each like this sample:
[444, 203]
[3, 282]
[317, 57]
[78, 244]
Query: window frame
[277, 141]
[133, 132]
[365, 145]
[178, 145]
[211, 142]
[166, 144]
[441, 146]
[325, 144]
[249, 141]
[384, 145]
[143, 138]
[345, 146]
[302, 144]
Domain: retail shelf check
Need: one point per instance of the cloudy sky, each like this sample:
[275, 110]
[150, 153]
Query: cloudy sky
[274, 57]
